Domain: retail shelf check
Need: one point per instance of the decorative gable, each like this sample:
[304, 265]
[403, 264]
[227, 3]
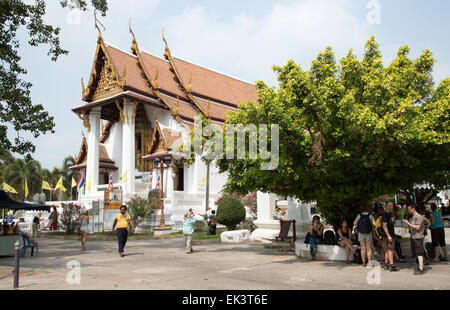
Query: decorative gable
[107, 85]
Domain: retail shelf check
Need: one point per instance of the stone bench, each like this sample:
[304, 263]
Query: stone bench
[324, 252]
[235, 236]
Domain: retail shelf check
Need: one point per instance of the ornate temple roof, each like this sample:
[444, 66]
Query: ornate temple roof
[81, 160]
[184, 88]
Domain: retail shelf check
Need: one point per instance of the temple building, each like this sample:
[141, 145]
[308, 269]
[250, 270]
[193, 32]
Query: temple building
[139, 107]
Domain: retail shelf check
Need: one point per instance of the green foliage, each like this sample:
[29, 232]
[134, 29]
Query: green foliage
[349, 131]
[14, 171]
[139, 208]
[68, 217]
[247, 224]
[202, 143]
[230, 212]
[17, 110]
[19, 170]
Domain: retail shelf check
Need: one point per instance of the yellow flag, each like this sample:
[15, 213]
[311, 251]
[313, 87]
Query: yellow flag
[46, 186]
[60, 185]
[26, 188]
[124, 178]
[89, 183]
[203, 181]
[73, 183]
[8, 188]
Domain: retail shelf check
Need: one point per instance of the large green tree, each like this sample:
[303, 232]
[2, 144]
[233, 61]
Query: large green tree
[16, 108]
[349, 131]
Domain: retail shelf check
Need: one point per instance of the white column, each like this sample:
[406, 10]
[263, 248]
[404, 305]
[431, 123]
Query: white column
[268, 228]
[301, 213]
[265, 203]
[128, 150]
[194, 180]
[169, 189]
[154, 178]
[117, 151]
[92, 170]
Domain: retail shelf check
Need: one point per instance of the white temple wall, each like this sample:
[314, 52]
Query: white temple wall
[114, 147]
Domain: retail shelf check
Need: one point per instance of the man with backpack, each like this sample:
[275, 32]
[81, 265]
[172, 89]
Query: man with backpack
[363, 225]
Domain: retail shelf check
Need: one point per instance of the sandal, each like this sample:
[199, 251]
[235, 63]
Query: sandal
[348, 261]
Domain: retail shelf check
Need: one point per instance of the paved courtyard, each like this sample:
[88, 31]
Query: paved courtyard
[162, 264]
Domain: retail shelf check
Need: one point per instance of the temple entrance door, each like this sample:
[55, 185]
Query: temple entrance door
[179, 178]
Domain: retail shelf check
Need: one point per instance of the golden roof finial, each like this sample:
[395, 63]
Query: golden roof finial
[166, 49]
[124, 74]
[208, 109]
[190, 82]
[176, 107]
[156, 78]
[134, 47]
[96, 25]
[83, 89]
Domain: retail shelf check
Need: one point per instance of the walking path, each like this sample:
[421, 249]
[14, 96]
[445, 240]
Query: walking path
[163, 264]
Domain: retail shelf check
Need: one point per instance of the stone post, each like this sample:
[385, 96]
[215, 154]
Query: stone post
[128, 149]
[301, 213]
[92, 170]
[170, 183]
[268, 228]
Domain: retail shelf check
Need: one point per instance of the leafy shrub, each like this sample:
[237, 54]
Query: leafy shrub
[154, 194]
[230, 212]
[200, 225]
[247, 224]
[139, 208]
[249, 201]
[70, 212]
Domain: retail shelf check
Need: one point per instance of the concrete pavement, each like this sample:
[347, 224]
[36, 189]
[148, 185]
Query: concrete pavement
[163, 264]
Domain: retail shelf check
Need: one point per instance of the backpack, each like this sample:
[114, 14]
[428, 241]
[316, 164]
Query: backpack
[307, 238]
[329, 237]
[430, 250]
[36, 220]
[364, 224]
[379, 231]
[212, 219]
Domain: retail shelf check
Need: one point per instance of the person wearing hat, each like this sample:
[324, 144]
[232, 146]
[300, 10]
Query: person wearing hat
[122, 220]
[188, 230]
[84, 229]
[9, 217]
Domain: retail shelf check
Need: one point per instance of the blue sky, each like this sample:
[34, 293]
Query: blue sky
[241, 38]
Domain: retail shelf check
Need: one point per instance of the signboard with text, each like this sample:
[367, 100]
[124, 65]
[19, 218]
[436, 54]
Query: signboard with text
[113, 199]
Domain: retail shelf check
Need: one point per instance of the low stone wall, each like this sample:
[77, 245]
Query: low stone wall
[324, 252]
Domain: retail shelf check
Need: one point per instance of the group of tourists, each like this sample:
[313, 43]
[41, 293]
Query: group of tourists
[51, 225]
[123, 221]
[375, 232]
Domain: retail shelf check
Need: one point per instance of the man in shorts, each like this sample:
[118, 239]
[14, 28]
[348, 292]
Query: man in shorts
[388, 227]
[417, 231]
